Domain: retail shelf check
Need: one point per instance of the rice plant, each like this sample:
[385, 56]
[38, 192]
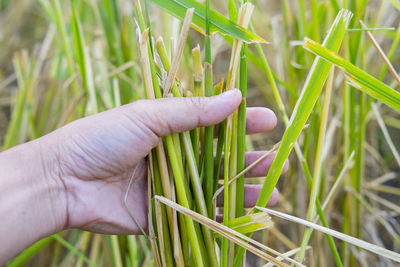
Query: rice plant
[327, 69]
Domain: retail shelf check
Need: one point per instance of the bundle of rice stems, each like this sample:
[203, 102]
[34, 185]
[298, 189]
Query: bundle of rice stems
[171, 240]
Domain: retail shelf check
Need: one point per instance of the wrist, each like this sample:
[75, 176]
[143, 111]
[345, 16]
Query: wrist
[33, 202]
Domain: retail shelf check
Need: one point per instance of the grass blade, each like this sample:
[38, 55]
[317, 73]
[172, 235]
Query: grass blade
[317, 175]
[29, 252]
[311, 90]
[218, 22]
[361, 80]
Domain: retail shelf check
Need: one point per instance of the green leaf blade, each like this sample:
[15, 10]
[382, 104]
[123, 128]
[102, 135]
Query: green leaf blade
[218, 23]
[362, 80]
[304, 106]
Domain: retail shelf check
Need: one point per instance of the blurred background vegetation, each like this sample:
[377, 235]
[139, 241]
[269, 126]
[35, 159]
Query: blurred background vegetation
[43, 86]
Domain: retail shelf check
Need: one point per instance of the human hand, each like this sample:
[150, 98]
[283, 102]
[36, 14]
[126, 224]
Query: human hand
[76, 176]
[96, 156]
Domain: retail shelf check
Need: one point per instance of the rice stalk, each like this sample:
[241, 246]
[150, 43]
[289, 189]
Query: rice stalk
[241, 136]
[228, 233]
[95, 248]
[231, 131]
[116, 256]
[349, 239]
[331, 195]
[55, 9]
[152, 234]
[207, 159]
[198, 88]
[304, 106]
[317, 175]
[13, 134]
[386, 133]
[190, 156]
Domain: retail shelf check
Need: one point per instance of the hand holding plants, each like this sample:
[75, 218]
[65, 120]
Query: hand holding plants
[76, 177]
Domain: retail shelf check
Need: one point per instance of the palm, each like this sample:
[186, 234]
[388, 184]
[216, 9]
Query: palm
[98, 169]
[104, 198]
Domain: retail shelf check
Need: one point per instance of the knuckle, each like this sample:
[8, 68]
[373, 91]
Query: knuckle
[198, 104]
[199, 108]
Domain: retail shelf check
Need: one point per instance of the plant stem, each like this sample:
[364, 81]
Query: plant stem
[241, 138]
[207, 153]
[317, 174]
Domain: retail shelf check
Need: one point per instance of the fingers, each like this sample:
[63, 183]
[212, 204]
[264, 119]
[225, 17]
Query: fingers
[260, 169]
[251, 193]
[258, 120]
[171, 115]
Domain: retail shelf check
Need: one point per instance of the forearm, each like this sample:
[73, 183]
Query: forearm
[32, 199]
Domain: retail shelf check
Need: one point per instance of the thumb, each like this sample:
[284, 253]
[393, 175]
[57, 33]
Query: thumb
[170, 115]
[117, 139]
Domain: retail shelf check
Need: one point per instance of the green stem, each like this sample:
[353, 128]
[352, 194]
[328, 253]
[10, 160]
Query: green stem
[199, 197]
[191, 162]
[159, 191]
[65, 41]
[182, 199]
[231, 186]
[115, 251]
[207, 153]
[317, 175]
[227, 149]
[241, 140]
[29, 252]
